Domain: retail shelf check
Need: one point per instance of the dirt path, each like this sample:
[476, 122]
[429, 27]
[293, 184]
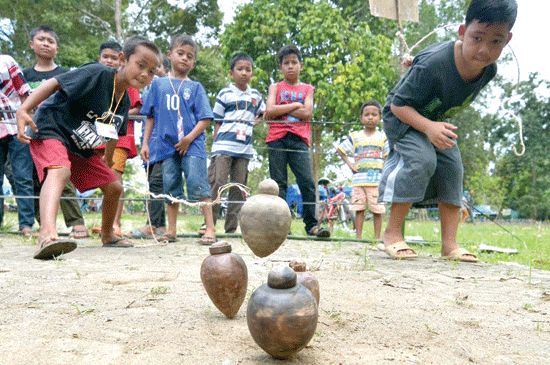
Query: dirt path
[146, 305]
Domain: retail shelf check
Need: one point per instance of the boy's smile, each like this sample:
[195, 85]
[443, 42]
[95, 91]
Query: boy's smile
[182, 58]
[44, 45]
[241, 73]
[482, 44]
[139, 69]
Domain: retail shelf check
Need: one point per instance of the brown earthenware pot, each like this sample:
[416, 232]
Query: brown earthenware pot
[282, 315]
[265, 220]
[225, 277]
[306, 278]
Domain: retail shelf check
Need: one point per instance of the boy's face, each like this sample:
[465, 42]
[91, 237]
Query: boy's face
[44, 45]
[291, 66]
[140, 68]
[482, 43]
[241, 73]
[109, 57]
[182, 58]
[370, 117]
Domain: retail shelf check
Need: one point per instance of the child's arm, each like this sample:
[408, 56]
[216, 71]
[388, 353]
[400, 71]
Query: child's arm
[439, 133]
[305, 111]
[273, 110]
[346, 160]
[149, 125]
[109, 151]
[216, 129]
[183, 145]
[23, 113]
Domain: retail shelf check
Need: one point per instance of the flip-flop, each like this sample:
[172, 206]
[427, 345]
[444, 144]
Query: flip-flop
[207, 240]
[393, 251]
[116, 231]
[117, 242]
[79, 233]
[460, 254]
[167, 237]
[319, 232]
[139, 234]
[202, 230]
[50, 248]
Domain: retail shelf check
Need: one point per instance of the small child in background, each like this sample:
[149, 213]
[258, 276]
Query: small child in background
[109, 55]
[239, 105]
[81, 110]
[369, 147]
[179, 110]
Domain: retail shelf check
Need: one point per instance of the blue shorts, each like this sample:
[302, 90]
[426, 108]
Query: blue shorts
[194, 169]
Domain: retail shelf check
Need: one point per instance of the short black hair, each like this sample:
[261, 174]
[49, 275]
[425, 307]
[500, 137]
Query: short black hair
[46, 29]
[371, 102]
[242, 56]
[184, 40]
[134, 42]
[287, 50]
[492, 12]
[115, 46]
[165, 61]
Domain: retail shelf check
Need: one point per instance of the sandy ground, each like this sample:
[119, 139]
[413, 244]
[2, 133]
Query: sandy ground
[147, 305]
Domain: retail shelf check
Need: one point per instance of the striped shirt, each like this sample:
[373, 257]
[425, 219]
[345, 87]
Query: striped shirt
[239, 109]
[12, 88]
[369, 153]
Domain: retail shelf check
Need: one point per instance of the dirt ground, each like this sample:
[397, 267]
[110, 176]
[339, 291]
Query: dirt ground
[147, 305]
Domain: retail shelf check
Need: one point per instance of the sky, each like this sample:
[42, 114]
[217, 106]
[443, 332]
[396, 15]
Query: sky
[532, 15]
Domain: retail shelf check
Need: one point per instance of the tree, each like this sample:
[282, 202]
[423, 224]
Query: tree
[346, 62]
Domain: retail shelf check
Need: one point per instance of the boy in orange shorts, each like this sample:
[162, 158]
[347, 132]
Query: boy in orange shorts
[369, 147]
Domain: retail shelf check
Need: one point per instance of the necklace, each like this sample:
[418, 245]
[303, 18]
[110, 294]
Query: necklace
[177, 93]
[112, 113]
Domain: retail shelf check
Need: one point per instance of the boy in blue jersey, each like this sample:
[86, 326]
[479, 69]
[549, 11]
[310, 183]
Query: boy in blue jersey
[179, 110]
[424, 164]
[236, 108]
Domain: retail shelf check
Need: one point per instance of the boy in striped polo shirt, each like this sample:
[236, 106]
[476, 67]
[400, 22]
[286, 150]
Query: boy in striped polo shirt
[236, 109]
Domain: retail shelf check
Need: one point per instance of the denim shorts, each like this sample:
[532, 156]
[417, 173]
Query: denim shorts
[194, 170]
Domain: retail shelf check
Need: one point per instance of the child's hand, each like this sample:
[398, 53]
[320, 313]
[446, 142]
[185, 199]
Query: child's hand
[440, 134]
[108, 161]
[183, 145]
[144, 154]
[23, 120]
[353, 168]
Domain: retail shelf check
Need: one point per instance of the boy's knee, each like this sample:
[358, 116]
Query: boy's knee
[112, 188]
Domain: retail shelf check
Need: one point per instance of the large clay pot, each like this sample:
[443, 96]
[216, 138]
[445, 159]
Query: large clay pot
[225, 277]
[265, 220]
[306, 278]
[282, 315]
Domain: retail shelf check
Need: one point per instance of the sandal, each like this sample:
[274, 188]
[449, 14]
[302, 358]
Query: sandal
[139, 234]
[167, 237]
[393, 251]
[79, 233]
[52, 247]
[116, 231]
[319, 232]
[207, 240]
[202, 230]
[119, 242]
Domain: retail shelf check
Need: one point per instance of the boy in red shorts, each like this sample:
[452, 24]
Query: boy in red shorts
[82, 109]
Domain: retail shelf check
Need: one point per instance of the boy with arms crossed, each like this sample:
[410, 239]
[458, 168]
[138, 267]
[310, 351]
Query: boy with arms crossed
[83, 109]
[369, 147]
[239, 105]
[179, 111]
[424, 164]
[291, 100]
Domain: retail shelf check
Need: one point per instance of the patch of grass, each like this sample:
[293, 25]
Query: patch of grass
[159, 290]
[82, 311]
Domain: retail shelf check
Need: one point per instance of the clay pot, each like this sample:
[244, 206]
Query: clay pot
[282, 315]
[224, 276]
[306, 278]
[265, 220]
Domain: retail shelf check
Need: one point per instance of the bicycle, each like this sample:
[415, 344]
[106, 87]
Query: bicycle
[337, 208]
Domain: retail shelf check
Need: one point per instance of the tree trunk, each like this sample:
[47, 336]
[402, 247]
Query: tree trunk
[118, 20]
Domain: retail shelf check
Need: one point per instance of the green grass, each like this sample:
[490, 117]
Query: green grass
[532, 245]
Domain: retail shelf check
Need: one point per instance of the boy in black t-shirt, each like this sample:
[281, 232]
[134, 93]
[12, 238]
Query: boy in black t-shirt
[83, 109]
[424, 164]
[45, 44]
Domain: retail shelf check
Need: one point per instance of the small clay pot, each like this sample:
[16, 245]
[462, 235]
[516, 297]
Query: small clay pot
[306, 278]
[282, 315]
[265, 220]
[224, 276]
